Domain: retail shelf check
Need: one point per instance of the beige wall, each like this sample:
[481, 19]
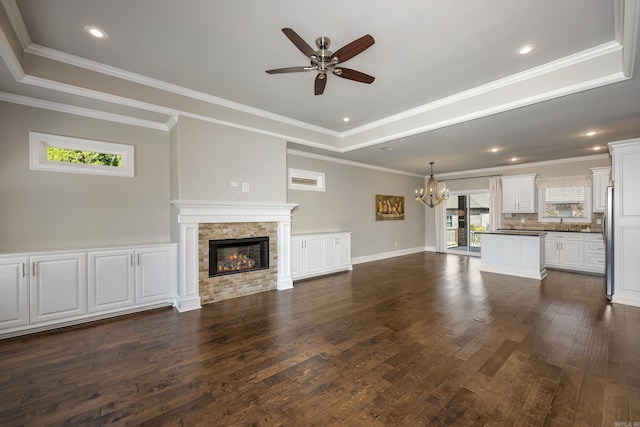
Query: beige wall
[348, 204]
[207, 157]
[53, 210]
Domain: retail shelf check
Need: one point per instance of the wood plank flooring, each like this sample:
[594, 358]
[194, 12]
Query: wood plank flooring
[424, 339]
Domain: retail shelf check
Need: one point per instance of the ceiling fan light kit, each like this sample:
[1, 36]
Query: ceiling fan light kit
[324, 61]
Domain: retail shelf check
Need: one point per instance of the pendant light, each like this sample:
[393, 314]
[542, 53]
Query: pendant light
[433, 195]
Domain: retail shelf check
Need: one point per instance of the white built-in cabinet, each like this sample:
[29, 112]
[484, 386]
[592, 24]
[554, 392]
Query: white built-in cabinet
[317, 254]
[601, 180]
[58, 286]
[43, 290]
[583, 252]
[626, 221]
[14, 292]
[519, 194]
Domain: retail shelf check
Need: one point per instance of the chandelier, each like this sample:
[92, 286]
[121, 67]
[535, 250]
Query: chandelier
[433, 196]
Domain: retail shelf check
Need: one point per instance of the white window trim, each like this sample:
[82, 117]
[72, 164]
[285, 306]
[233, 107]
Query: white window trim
[315, 180]
[587, 209]
[39, 142]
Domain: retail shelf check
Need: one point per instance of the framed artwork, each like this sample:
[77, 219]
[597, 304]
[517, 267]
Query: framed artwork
[389, 207]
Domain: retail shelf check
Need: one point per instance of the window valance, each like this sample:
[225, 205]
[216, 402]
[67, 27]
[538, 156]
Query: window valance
[564, 181]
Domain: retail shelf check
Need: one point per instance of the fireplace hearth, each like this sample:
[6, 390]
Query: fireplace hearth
[232, 256]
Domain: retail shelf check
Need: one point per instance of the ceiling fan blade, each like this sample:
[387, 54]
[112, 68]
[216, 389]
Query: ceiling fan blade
[300, 44]
[348, 73]
[289, 70]
[347, 52]
[321, 82]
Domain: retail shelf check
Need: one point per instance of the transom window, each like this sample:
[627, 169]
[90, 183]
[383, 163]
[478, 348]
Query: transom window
[74, 155]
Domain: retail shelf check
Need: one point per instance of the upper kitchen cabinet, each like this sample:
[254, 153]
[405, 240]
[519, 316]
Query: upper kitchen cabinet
[601, 179]
[519, 194]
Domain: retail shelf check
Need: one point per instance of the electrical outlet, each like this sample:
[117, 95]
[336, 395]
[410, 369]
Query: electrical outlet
[245, 187]
[521, 220]
[234, 183]
[598, 221]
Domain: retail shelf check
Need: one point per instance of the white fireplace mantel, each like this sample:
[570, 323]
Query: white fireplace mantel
[191, 213]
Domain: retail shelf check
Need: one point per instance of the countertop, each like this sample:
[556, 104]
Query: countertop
[553, 230]
[516, 232]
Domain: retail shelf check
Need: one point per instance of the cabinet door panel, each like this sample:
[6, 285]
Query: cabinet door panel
[312, 255]
[571, 253]
[155, 278]
[297, 256]
[58, 287]
[551, 251]
[111, 280]
[14, 292]
[509, 195]
[328, 252]
[343, 250]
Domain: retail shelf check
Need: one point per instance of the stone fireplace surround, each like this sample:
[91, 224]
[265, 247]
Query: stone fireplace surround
[189, 214]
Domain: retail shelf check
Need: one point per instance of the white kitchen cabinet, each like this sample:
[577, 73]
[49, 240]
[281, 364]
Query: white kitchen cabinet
[111, 279]
[564, 250]
[626, 221]
[14, 292]
[42, 290]
[519, 194]
[583, 252]
[601, 180]
[317, 254]
[58, 286]
[594, 253]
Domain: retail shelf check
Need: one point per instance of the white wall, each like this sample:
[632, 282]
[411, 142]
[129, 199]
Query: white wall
[53, 210]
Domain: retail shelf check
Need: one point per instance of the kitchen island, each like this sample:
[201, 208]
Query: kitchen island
[514, 252]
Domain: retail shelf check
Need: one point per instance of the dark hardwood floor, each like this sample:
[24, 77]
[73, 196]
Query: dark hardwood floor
[424, 339]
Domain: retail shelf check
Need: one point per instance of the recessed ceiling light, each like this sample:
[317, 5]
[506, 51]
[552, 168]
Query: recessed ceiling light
[96, 32]
[386, 148]
[526, 49]
[495, 150]
[346, 119]
[513, 159]
[591, 133]
[597, 148]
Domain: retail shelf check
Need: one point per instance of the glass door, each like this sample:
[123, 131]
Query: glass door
[467, 215]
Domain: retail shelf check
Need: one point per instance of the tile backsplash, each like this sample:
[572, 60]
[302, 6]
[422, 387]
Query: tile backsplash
[514, 221]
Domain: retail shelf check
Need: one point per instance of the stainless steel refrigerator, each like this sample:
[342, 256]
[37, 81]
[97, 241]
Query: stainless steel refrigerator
[607, 232]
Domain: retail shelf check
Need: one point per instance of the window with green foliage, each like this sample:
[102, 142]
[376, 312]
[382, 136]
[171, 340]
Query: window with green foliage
[74, 155]
[84, 157]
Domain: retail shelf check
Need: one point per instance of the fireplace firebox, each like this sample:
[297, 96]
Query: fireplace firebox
[230, 256]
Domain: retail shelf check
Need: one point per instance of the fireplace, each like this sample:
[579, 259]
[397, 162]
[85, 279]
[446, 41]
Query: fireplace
[231, 256]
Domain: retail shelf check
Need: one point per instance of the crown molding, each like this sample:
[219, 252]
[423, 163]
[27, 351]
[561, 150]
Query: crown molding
[627, 26]
[98, 67]
[15, 18]
[451, 175]
[80, 111]
[349, 163]
[568, 61]
[523, 102]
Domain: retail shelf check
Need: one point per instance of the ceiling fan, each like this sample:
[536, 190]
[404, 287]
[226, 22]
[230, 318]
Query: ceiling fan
[324, 61]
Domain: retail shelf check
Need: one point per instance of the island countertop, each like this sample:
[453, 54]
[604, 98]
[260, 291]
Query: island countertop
[516, 232]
